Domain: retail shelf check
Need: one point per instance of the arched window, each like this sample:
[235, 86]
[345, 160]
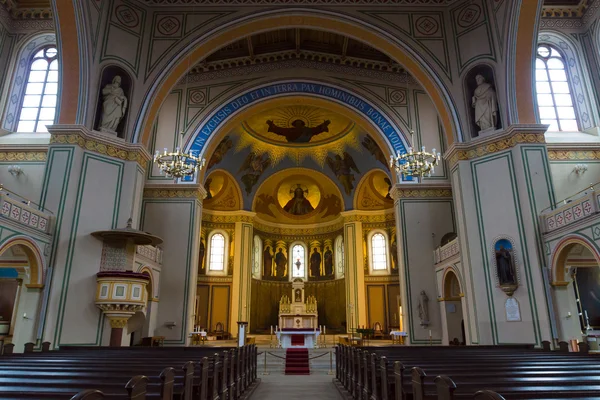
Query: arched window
[38, 107]
[553, 89]
[216, 260]
[257, 257]
[298, 261]
[339, 256]
[379, 253]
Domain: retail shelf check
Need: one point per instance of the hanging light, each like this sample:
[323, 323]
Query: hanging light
[415, 163]
[176, 163]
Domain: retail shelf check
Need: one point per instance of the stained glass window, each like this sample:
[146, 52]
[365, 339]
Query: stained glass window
[38, 108]
[555, 102]
[298, 261]
[217, 253]
[379, 252]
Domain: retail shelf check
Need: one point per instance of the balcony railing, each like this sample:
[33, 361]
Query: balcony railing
[24, 212]
[570, 211]
[446, 251]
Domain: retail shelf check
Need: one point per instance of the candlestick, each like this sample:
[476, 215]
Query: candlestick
[586, 316]
[271, 329]
[324, 330]
[430, 333]
[275, 328]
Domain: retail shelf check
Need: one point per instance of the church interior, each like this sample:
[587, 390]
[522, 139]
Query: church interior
[399, 180]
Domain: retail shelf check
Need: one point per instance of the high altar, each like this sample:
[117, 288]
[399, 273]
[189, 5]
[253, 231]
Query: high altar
[298, 318]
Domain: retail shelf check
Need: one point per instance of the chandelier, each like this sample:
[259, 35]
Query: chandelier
[415, 163]
[177, 164]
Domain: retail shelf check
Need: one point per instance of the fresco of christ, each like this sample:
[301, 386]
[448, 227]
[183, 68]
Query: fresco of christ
[299, 132]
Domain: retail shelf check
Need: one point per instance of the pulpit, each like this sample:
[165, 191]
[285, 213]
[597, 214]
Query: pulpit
[298, 318]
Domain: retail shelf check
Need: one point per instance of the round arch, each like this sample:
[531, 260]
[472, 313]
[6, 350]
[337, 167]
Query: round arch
[297, 18]
[34, 256]
[232, 181]
[152, 290]
[365, 181]
[560, 253]
[450, 273]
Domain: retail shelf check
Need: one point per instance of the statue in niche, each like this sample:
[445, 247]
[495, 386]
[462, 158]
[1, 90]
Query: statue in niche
[299, 132]
[328, 261]
[485, 103]
[298, 205]
[315, 263]
[342, 168]
[254, 165]
[505, 263]
[281, 264]
[267, 262]
[424, 308]
[114, 104]
[298, 296]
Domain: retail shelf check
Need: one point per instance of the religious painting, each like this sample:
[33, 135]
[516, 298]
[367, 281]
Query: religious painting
[202, 255]
[281, 264]
[343, 167]
[299, 132]
[339, 256]
[213, 184]
[331, 205]
[253, 167]
[505, 266]
[268, 270]
[315, 264]
[394, 254]
[298, 195]
[371, 145]
[222, 149]
[328, 261]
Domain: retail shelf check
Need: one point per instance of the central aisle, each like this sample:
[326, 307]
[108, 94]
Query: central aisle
[277, 386]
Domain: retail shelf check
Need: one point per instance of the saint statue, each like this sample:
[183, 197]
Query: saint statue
[424, 309]
[298, 205]
[114, 104]
[486, 104]
[505, 266]
[328, 261]
[315, 263]
[281, 264]
[299, 132]
[267, 262]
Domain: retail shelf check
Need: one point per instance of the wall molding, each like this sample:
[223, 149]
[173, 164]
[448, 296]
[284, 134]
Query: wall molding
[174, 191]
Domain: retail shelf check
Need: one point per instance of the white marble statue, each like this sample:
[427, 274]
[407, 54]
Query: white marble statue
[486, 104]
[114, 104]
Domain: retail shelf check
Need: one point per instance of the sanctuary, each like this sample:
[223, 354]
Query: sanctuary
[419, 169]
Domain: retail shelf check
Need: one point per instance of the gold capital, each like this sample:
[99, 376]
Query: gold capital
[118, 322]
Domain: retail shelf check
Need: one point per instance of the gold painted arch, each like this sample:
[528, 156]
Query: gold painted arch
[34, 256]
[561, 252]
[300, 19]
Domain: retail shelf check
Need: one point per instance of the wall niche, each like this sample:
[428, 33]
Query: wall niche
[482, 100]
[114, 94]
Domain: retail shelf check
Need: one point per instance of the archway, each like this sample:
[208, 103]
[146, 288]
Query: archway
[453, 331]
[278, 19]
[576, 281]
[21, 281]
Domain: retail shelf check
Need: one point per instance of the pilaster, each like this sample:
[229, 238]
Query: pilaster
[424, 214]
[242, 269]
[356, 312]
[92, 181]
[174, 212]
[501, 183]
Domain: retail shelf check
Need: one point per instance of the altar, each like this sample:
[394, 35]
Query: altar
[298, 318]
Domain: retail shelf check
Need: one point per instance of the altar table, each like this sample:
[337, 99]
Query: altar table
[298, 338]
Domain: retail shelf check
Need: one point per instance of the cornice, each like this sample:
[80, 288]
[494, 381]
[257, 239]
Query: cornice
[99, 143]
[501, 141]
[26, 19]
[214, 279]
[381, 278]
[227, 217]
[420, 191]
[365, 216]
[573, 11]
[174, 191]
[573, 151]
[23, 153]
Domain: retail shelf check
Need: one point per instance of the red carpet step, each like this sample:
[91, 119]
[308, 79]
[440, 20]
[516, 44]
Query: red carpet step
[296, 362]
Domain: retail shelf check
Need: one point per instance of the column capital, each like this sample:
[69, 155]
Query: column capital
[228, 216]
[175, 191]
[119, 322]
[499, 141]
[420, 191]
[100, 143]
[367, 216]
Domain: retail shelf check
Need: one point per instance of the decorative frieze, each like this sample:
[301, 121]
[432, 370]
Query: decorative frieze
[99, 143]
[176, 191]
[511, 137]
[578, 152]
[23, 155]
[420, 191]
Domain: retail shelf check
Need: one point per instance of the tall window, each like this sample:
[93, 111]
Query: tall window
[298, 261]
[553, 91]
[217, 253]
[39, 101]
[379, 252]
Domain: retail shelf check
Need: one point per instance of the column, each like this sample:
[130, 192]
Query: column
[424, 214]
[356, 312]
[501, 183]
[174, 213]
[242, 270]
[93, 181]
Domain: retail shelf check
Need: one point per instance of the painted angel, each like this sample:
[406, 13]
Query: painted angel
[253, 166]
[342, 168]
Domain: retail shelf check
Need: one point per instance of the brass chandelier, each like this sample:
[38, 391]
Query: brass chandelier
[177, 164]
[415, 163]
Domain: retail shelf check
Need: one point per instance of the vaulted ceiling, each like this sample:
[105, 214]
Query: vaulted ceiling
[28, 9]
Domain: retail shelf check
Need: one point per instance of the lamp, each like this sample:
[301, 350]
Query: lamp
[177, 164]
[415, 163]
